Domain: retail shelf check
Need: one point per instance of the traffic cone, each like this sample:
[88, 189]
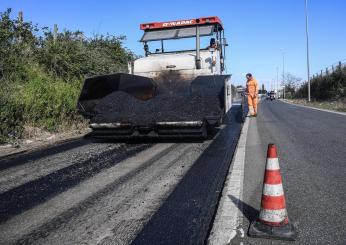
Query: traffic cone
[273, 220]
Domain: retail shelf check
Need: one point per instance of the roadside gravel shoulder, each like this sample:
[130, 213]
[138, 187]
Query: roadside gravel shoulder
[29, 145]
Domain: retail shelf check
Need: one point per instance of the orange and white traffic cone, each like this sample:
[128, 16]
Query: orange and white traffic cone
[273, 220]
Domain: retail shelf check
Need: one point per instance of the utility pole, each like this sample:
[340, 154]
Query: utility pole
[307, 47]
[283, 70]
[81, 38]
[20, 24]
[271, 85]
[277, 80]
[20, 18]
[55, 33]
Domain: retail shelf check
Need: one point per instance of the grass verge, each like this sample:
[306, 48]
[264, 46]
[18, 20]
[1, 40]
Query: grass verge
[334, 105]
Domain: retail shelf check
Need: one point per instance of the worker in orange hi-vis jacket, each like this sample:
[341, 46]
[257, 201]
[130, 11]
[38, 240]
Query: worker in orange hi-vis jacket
[252, 91]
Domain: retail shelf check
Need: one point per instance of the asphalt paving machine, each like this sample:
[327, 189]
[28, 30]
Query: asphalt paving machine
[170, 92]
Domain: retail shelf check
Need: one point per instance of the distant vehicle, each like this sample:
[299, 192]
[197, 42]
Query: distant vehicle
[271, 95]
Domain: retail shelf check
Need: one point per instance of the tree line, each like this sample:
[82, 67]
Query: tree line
[331, 85]
[328, 86]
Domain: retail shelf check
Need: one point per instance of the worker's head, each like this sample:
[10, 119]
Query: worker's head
[212, 43]
[249, 76]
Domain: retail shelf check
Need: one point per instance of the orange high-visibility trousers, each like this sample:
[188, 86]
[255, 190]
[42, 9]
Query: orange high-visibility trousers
[252, 102]
[252, 89]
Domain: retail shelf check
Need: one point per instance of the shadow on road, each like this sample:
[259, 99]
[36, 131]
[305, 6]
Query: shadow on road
[186, 215]
[12, 161]
[28, 195]
[248, 211]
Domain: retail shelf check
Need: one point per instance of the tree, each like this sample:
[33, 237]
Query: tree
[17, 47]
[291, 84]
[262, 90]
[41, 76]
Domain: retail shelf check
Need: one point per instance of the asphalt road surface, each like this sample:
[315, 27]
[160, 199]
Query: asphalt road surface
[312, 154]
[84, 192]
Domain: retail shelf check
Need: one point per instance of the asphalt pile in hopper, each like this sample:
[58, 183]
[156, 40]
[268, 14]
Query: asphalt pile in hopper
[120, 106]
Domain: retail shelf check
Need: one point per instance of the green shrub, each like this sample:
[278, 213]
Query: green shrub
[11, 114]
[329, 86]
[41, 77]
[48, 103]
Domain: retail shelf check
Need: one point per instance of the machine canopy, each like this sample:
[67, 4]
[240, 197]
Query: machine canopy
[176, 33]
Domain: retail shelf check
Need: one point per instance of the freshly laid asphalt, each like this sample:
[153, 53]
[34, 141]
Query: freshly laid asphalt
[186, 216]
[86, 192]
[312, 155]
[168, 192]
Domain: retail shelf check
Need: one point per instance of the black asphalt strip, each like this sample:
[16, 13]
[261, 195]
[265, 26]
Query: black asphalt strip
[187, 214]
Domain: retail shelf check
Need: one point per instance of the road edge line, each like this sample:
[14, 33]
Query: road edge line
[228, 215]
[314, 108]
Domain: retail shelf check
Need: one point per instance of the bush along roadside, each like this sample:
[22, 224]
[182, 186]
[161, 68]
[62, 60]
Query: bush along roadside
[11, 115]
[331, 86]
[41, 73]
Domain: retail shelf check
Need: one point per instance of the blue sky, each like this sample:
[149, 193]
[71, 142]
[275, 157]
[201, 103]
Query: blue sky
[257, 30]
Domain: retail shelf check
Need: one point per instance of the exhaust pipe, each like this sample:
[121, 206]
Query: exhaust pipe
[198, 55]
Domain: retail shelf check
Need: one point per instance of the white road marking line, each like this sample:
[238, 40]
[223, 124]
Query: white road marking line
[314, 108]
[228, 215]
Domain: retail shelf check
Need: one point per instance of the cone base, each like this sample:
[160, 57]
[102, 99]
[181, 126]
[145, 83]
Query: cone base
[260, 230]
